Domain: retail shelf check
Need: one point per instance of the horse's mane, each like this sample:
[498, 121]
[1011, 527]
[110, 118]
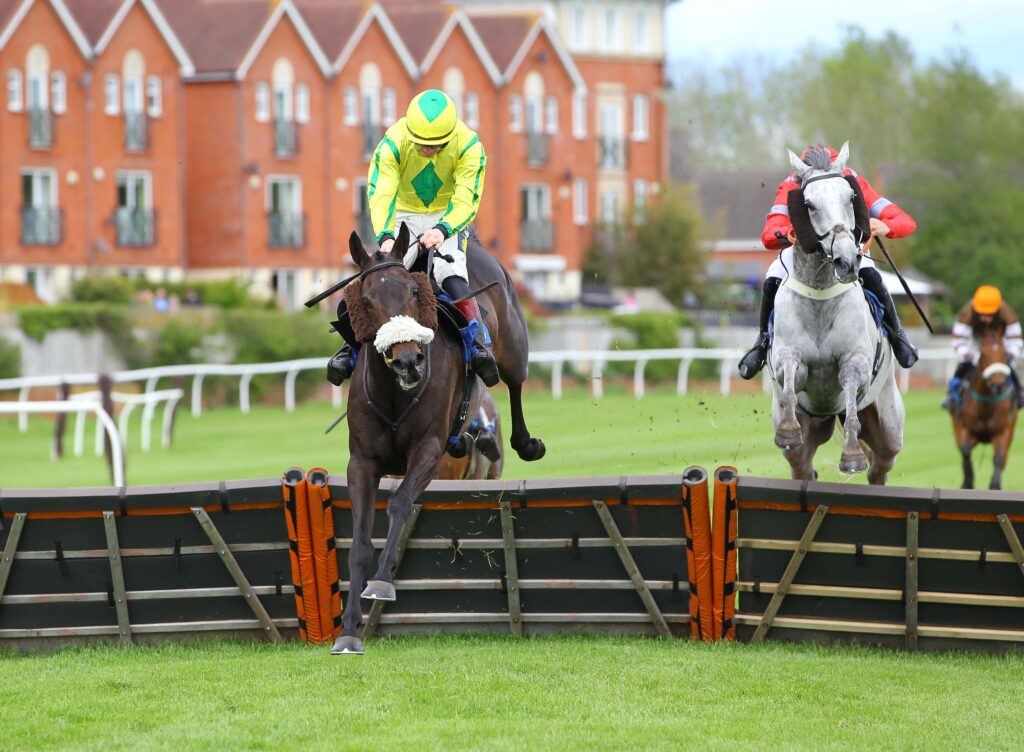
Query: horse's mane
[819, 158]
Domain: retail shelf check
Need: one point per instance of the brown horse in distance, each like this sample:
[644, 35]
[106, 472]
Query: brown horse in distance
[988, 414]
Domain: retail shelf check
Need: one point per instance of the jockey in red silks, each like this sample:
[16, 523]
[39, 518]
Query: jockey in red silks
[887, 220]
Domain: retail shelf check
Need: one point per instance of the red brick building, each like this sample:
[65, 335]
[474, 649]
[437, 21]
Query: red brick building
[231, 137]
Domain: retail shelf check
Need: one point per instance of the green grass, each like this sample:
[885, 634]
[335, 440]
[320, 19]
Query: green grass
[616, 435]
[497, 693]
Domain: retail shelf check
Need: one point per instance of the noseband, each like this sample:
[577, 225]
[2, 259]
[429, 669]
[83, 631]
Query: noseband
[800, 215]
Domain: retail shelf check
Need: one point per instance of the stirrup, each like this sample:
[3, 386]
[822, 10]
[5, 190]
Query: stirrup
[752, 363]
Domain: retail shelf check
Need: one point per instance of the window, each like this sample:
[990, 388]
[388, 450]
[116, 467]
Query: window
[40, 217]
[535, 230]
[133, 218]
[515, 113]
[472, 118]
[640, 190]
[133, 95]
[371, 107]
[283, 102]
[111, 94]
[284, 194]
[154, 96]
[39, 189]
[579, 201]
[58, 92]
[285, 285]
[454, 85]
[351, 102]
[14, 93]
[285, 223]
[388, 106]
[578, 28]
[262, 101]
[639, 117]
[609, 30]
[302, 103]
[639, 31]
[37, 79]
[609, 206]
[536, 202]
[134, 191]
[579, 114]
[551, 114]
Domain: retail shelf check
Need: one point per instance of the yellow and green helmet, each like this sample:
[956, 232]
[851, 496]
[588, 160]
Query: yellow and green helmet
[431, 118]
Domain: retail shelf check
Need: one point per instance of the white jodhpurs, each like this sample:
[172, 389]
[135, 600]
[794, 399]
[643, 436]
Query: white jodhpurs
[783, 264]
[455, 246]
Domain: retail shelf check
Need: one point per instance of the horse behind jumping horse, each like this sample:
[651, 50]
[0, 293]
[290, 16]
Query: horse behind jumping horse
[410, 394]
[988, 413]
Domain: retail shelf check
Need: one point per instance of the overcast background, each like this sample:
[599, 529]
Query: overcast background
[714, 32]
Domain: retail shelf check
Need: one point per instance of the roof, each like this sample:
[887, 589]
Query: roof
[332, 21]
[418, 23]
[735, 203]
[93, 16]
[503, 35]
[12, 12]
[216, 33]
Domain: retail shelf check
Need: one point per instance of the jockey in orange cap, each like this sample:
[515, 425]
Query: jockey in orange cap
[985, 312]
[887, 220]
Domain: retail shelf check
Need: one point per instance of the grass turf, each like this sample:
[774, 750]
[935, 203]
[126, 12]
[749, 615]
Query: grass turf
[616, 435]
[498, 693]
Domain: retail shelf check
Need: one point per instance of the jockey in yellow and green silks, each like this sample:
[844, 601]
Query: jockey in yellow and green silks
[428, 171]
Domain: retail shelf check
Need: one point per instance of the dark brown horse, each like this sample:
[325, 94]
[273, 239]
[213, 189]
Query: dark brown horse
[988, 414]
[406, 399]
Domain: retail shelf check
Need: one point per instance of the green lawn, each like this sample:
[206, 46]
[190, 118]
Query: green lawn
[498, 693]
[616, 435]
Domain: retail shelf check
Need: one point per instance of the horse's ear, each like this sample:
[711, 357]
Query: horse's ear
[844, 155]
[398, 250]
[801, 167]
[355, 248]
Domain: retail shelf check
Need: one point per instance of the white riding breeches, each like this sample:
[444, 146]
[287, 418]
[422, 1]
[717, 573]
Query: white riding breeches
[455, 246]
[782, 266]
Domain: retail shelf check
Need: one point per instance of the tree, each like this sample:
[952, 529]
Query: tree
[658, 246]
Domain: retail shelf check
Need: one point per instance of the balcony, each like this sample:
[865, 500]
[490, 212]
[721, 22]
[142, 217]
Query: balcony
[285, 138]
[536, 148]
[611, 153]
[40, 128]
[136, 131]
[536, 235]
[286, 229]
[40, 225]
[372, 134]
[135, 227]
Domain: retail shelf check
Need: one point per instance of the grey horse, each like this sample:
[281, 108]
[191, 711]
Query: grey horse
[829, 359]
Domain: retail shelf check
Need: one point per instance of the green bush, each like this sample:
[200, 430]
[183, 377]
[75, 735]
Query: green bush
[114, 320]
[102, 289]
[179, 341]
[10, 359]
[650, 331]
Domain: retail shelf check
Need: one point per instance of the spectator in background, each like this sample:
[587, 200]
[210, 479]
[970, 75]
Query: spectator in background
[161, 303]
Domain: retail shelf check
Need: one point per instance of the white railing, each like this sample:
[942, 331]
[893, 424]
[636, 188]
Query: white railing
[79, 406]
[591, 361]
[149, 401]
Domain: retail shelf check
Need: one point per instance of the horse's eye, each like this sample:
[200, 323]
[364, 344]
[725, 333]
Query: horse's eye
[809, 205]
[415, 291]
[367, 303]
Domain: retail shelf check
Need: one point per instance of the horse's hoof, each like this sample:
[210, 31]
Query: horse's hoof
[533, 450]
[347, 645]
[378, 590]
[853, 462]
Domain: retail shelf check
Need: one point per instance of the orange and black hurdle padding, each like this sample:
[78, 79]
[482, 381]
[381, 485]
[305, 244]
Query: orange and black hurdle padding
[723, 553]
[697, 518]
[296, 512]
[321, 523]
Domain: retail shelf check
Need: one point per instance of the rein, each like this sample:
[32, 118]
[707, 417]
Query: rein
[393, 424]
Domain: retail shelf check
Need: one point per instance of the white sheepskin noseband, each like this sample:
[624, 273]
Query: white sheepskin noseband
[401, 329]
[995, 368]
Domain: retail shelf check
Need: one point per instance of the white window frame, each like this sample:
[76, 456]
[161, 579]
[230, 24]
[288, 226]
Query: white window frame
[579, 114]
[551, 113]
[302, 103]
[580, 208]
[640, 32]
[578, 27]
[515, 113]
[38, 82]
[262, 96]
[287, 102]
[350, 100]
[154, 96]
[134, 97]
[641, 192]
[472, 118]
[275, 179]
[112, 94]
[58, 92]
[641, 111]
[543, 191]
[610, 37]
[15, 90]
[134, 176]
[389, 107]
[54, 196]
[370, 101]
[611, 210]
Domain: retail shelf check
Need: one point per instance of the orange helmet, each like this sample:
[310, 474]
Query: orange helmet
[987, 300]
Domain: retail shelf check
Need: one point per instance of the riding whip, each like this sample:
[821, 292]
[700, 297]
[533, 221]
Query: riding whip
[906, 287]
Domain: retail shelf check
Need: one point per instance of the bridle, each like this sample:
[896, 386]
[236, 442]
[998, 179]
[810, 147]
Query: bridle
[828, 252]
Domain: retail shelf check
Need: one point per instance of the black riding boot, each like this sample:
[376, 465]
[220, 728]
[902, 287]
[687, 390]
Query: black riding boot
[753, 361]
[905, 352]
[341, 365]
